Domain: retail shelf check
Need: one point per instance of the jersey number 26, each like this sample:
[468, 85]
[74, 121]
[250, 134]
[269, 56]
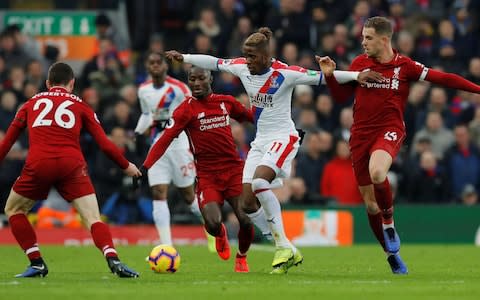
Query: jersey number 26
[61, 113]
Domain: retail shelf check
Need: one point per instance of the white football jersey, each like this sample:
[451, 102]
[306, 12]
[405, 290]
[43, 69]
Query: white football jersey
[160, 104]
[271, 93]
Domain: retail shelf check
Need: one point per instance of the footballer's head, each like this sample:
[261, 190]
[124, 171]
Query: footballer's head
[377, 35]
[256, 50]
[200, 82]
[156, 65]
[60, 74]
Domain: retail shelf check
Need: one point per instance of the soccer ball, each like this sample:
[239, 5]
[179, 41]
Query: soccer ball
[164, 259]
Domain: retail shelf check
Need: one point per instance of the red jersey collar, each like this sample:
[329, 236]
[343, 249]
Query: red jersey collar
[58, 88]
[395, 57]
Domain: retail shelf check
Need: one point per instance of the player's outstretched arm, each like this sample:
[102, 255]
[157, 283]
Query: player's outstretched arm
[200, 60]
[451, 80]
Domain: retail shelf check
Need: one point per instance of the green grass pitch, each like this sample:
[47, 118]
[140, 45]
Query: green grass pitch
[354, 273]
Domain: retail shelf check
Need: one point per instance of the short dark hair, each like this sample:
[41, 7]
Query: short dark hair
[162, 56]
[60, 74]
[381, 25]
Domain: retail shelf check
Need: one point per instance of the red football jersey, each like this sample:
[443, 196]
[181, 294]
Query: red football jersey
[381, 104]
[54, 120]
[207, 124]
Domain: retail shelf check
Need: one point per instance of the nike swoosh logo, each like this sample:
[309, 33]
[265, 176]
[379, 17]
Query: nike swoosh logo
[39, 268]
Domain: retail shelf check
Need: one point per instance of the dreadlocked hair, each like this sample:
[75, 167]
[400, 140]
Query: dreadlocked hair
[261, 38]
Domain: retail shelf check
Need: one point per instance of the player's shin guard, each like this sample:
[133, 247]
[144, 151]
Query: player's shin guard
[245, 238]
[384, 197]
[260, 220]
[23, 232]
[375, 222]
[273, 211]
[161, 216]
[103, 239]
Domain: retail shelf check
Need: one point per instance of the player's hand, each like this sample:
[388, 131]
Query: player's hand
[369, 76]
[132, 170]
[327, 65]
[136, 180]
[174, 55]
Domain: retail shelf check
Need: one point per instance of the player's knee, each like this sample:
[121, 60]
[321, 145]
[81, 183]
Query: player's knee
[212, 226]
[377, 175]
[159, 192]
[189, 196]
[259, 185]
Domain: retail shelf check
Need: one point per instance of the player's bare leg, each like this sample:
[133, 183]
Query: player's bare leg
[16, 209]
[251, 206]
[87, 207]
[192, 202]
[161, 213]
[245, 235]
[212, 215]
[286, 255]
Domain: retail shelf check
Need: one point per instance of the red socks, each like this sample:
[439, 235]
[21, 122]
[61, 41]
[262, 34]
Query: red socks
[23, 232]
[245, 238]
[377, 228]
[103, 239]
[383, 195]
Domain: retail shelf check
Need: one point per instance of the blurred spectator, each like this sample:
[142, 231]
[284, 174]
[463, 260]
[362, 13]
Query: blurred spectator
[290, 23]
[106, 30]
[469, 195]
[128, 93]
[8, 109]
[437, 102]
[240, 139]
[10, 51]
[346, 121]
[440, 137]
[119, 116]
[228, 13]
[474, 70]
[15, 82]
[326, 143]
[324, 108]
[10, 167]
[429, 182]
[446, 46]
[308, 120]
[405, 44]
[239, 35]
[207, 26]
[310, 162]
[360, 13]
[35, 74]
[416, 99]
[338, 179]
[302, 99]
[202, 44]
[397, 17]
[227, 83]
[474, 128]
[463, 162]
[433, 9]
[97, 62]
[116, 197]
[290, 54]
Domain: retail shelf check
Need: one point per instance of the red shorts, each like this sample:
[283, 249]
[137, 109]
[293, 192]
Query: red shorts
[216, 187]
[363, 145]
[68, 175]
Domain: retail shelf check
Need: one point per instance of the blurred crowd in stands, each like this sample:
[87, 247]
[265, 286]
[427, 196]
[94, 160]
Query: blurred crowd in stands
[440, 160]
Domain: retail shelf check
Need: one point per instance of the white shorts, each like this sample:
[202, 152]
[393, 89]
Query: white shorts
[277, 154]
[175, 165]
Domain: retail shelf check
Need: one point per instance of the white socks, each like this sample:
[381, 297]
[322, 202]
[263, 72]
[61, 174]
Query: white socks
[273, 211]
[195, 209]
[260, 220]
[391, 225]
[161, 216]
